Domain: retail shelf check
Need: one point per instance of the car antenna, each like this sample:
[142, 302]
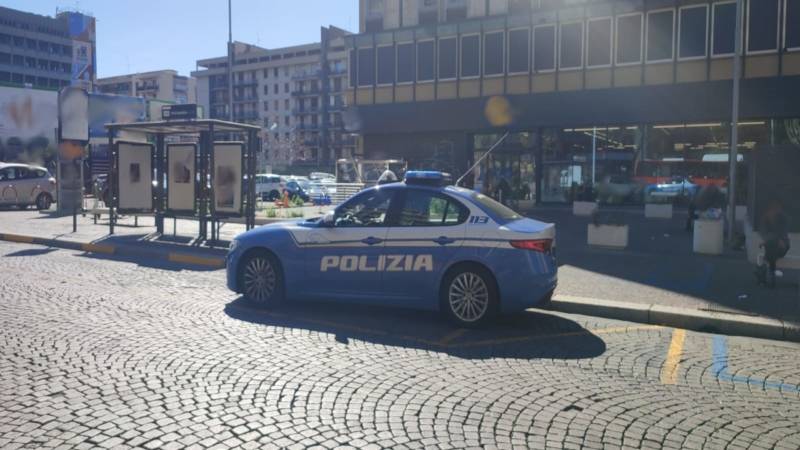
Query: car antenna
[499, 141]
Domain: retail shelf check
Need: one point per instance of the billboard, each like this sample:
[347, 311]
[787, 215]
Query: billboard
[106, 108]
[28, 122]
[135, 177]
[73, 111]
[82, 32]
[228, 178]
[181, 177]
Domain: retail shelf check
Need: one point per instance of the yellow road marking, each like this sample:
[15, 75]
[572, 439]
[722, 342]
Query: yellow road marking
[669, 372]
[98, 248]
[17, 238]
[449, 337]
[190, 259]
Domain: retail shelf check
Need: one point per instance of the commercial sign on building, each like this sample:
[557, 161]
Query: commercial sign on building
[84, 63]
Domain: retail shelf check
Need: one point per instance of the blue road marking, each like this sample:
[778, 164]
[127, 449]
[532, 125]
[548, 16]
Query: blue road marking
[720, 368]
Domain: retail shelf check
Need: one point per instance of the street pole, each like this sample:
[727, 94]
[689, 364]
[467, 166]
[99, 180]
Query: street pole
[230, 63]
[732, 157]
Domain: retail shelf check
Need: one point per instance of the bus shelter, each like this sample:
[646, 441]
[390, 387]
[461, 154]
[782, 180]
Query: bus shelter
[194, 176]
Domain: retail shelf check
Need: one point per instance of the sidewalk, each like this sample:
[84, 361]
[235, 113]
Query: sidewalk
[658, 279]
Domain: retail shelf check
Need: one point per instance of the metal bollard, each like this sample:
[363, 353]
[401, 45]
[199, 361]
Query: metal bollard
[74, 219]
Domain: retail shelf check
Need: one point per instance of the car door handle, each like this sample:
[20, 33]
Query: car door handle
[444, 240]
[372, 240]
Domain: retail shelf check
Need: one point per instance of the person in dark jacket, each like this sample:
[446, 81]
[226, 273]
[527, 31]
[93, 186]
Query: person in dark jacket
[706, 198]
[774, 230]
[503, 193]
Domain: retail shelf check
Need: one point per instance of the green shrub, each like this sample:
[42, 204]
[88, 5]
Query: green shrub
[271, 213]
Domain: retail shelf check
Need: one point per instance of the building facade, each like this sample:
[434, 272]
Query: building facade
[617, 92]
[164, 85]
[47, 52]
[296, 94]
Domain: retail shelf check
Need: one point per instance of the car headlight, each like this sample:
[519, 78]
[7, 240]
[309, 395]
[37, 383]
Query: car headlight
[233, 246]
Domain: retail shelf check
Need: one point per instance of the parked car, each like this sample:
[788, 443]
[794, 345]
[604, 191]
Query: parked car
[23, 185]
[617, 189]
[322, 176]
[269, 186]
[422, 243]
[678, 188]
[295, 189]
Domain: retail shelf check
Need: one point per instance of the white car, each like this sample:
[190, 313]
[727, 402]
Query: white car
[269, 187]
[23, 185]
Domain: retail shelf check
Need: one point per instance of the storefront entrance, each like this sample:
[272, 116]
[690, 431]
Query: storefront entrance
[509, 172]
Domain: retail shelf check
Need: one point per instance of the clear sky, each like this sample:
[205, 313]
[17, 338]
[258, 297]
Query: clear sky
[142, 35]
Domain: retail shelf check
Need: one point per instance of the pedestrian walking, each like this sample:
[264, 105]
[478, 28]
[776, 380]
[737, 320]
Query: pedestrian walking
[774, 230]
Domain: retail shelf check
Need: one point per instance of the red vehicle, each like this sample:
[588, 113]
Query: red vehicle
[701, 173]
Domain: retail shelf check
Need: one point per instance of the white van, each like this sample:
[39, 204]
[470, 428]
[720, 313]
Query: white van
[269, 186]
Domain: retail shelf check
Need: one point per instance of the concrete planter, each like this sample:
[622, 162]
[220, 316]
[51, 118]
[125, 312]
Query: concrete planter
[708, 236]
[614, 236]
[658, 210]
[584, 208]
[525, 205]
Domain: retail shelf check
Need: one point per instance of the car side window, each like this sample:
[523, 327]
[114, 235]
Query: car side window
[428, 209]
[366, 210]
[40, 174]
[8, 174]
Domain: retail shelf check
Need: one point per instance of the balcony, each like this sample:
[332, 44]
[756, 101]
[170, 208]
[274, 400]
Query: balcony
[302, 111]
[308, 126]
[237, 117]
[314, 74]
[306, 92]
[244, 83]
[245, 98]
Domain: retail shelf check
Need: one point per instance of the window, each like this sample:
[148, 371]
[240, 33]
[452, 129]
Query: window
[8, 174]
[762, 26]
[791, 37]
[660, 28]
[406, 63]
[266, 106]
[456, 10]
[692, 35]
[266, 73]
[570, 55]
[493, 54]
[629, 39]
[266, 89]
[723, 36]
[365, 210]
[519, 7]
[286, 104]
[428, 12]
[448, 58]
[275, 72]
[428, 209]
[544, 48]
[366, 66]
[470, 55]
[598, 42]
[386, 64]
[496, 209]
[519, 51]
[426, 61]
[275, 88]
[286, 88]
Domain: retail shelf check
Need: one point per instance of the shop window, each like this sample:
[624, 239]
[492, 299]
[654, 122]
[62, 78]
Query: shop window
[692, 34]
[448, 58]
[629, 39]
[366, 66]
[470, 55]
[571, 48]
[660, 28]
[723, 35]
[544, 52]
[519, 51]
[493, 53]
[426, 61]
[598, 42]
[786, 131]
[386, 65]
[406, 63]
[792, 30]
[762, 26]
[353, 69]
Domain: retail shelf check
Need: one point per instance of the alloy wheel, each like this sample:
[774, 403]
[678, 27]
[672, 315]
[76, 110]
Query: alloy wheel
[468, 296]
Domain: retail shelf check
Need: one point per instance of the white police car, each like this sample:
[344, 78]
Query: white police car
[417, 244]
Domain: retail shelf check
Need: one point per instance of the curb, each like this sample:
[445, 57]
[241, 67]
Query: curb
[119, 250]
[688, 319]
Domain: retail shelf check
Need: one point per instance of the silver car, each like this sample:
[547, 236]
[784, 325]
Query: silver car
[23, 185]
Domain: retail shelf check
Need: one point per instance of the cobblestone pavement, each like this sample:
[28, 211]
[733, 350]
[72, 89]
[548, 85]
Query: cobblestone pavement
[103, 353]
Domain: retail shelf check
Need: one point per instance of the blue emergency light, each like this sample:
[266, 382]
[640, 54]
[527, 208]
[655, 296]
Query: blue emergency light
[428, 178]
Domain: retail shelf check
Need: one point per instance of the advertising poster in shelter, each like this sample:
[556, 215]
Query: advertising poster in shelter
[228, 177]
[181, 177]
[135, 177]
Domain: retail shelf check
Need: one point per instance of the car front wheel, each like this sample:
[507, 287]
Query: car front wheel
[43, 202]
[261, 279]
[469, 296]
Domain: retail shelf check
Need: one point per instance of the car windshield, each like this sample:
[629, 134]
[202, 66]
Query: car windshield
[495, 208]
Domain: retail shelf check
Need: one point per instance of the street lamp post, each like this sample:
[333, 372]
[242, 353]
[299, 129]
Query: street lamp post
[732, 157]
[230, 63]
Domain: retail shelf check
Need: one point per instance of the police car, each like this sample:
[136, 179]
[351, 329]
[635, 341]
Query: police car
[420, 243]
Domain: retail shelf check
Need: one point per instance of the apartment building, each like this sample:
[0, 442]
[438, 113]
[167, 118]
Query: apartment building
[47, 52]
[164, 85]
[590, 91]
[296, 94]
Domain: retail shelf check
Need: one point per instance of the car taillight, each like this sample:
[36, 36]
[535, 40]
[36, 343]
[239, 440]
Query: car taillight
[537, 245]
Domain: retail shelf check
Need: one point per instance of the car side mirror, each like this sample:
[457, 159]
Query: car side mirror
[327, 220]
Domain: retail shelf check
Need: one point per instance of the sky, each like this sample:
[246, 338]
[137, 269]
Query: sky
[143, 35]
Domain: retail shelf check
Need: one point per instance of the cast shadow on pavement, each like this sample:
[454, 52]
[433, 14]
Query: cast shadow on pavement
[31, 252]
[525, 335]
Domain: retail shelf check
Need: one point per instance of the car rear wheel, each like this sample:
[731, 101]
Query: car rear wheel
[261, 279]
[469, 296]
[43, 202]
[274, 195]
